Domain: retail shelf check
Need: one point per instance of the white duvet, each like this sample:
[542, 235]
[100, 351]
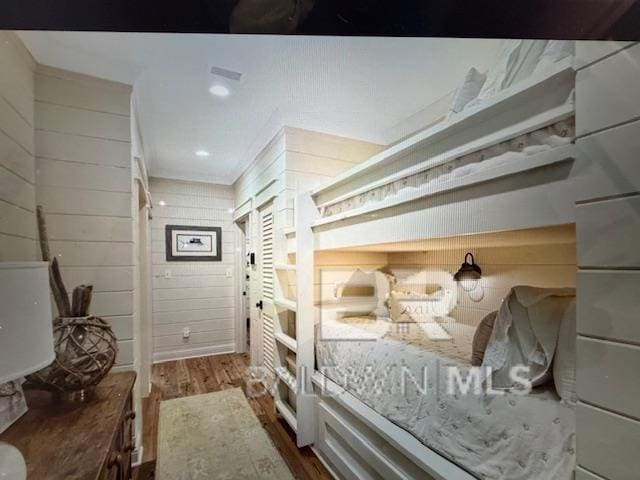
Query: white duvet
[507, 436]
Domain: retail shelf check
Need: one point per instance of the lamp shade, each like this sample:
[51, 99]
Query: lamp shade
[26, 331]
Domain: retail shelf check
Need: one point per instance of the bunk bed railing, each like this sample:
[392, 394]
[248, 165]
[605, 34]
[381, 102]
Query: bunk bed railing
[528, 91]
[552, 157]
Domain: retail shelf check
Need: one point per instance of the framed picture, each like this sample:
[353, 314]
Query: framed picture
[189, 244]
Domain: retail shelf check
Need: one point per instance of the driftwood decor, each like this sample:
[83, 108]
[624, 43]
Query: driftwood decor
[85, 345]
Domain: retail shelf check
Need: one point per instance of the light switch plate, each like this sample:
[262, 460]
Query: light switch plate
[167, 273]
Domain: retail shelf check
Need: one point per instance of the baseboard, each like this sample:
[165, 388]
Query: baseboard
[324, 462]
[172, 355]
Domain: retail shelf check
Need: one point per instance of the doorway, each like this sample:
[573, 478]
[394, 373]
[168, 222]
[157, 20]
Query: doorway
[243, 265]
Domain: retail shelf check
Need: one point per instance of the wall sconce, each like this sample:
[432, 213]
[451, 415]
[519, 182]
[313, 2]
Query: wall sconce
[468, 274]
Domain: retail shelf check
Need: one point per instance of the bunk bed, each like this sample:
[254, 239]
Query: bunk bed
[513, 149]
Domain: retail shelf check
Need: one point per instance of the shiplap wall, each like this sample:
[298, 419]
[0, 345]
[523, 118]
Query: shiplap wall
[548, 266]
[17, 166]
[294, 161]
[608, 228]
[197, 295]
[84, 183]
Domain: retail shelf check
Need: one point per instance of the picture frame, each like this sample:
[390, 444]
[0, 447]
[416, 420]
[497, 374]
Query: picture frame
[185, 243]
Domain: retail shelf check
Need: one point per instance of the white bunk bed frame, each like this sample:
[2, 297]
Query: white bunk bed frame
[541, 191]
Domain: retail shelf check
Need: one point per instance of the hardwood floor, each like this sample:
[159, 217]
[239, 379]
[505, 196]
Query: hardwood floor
[210, 374]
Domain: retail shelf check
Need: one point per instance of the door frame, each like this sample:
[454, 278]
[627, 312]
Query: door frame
[240, 239]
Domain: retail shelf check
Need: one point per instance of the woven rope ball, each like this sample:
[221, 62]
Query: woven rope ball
[85, 350]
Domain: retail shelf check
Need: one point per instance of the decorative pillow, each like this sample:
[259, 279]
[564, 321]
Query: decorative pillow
[468, 91]
[564, 363]
[506, 61]
[555, 51]
[420, 307]
[481, 338]
[525, 333]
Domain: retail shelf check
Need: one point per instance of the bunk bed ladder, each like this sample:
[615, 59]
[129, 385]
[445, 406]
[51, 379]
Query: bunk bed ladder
[293, 353]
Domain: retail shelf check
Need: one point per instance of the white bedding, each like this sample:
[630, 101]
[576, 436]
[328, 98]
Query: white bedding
[513, 150]
[508, 436]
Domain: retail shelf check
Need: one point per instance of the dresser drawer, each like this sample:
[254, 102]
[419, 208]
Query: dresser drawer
[608, 233]
[608, 304]
[608, 92]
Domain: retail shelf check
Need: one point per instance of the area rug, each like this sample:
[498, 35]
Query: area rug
[215, 436]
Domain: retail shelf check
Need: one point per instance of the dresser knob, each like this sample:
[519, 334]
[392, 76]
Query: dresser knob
[131, 415]
[115, 460]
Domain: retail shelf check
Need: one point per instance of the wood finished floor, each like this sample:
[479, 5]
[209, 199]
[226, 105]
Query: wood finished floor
[210, 374]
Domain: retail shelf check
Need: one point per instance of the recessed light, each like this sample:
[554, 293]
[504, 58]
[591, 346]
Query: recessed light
[162, 203]
[202, 153]
[219, 90]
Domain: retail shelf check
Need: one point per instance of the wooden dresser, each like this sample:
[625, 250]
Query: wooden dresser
[88, 441]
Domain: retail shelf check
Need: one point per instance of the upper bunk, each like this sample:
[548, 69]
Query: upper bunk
[507, 163]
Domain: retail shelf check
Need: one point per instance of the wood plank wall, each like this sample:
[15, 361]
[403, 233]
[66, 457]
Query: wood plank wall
[17, 165]
[548, 266]
[84, 182]
[608, 228]
[294, 161]
[197, 295]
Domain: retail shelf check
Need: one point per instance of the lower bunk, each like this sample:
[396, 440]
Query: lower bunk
[404, 394]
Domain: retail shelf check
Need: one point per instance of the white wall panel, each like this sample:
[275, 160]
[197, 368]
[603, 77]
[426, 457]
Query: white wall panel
[58, 87]
[588, 52]
[103, 279]
[194, 295]
[84, 202]
[84, 181]
[16, 190]
[89, 177]
[17, 170]
[608, 304]
[608, 233]
[549, 266]
[16, 159]
[607, 92]
[75, 148]
[608, 375]
[77, 121]
[607, 443]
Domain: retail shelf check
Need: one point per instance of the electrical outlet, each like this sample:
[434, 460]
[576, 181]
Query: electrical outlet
[186, 332]
[167, 273]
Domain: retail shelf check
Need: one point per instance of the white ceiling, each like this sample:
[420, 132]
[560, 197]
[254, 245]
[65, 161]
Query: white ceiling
[350, 86]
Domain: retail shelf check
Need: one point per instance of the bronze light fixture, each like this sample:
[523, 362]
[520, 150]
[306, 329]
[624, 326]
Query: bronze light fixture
[469, 272]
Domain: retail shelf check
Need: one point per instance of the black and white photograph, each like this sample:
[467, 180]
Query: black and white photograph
[185, 243]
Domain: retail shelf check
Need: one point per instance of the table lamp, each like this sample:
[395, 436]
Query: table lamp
[26, 337]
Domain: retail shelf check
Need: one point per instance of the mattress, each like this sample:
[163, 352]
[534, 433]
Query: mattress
[493, 436]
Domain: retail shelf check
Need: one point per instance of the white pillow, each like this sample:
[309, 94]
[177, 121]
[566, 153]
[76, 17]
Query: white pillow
[420, 307]
[507, 59]
[525, 333]
[555, 51]
[468, 91]
[564, 363]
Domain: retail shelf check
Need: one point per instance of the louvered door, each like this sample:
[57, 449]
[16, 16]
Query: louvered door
[267, 284]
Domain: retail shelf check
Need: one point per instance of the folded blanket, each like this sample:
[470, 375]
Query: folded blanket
[525, 333]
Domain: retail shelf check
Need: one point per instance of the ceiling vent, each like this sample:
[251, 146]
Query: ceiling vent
[223, 72]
